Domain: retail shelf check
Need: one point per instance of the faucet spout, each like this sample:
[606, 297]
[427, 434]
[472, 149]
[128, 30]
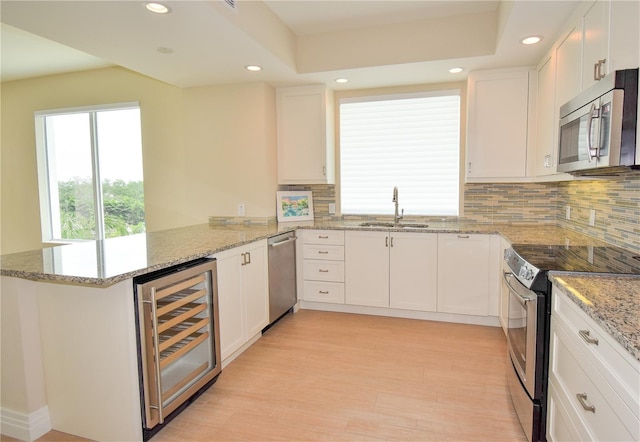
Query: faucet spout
[396, 216]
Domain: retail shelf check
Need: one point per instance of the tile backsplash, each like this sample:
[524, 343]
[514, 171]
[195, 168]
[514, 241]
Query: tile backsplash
[616, 202]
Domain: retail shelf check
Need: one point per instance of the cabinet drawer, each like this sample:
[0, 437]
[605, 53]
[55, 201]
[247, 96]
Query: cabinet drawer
[319, 251]
[608, 356]
[335, 237]
[319, 291]
[570, 371]
[317, 270]
[560, 425]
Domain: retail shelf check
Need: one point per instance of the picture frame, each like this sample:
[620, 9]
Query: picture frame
[296, 205]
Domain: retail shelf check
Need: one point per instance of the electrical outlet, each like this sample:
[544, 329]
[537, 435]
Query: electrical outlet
[332, 208]
[240, 209]
[568, 212]
[592, 217]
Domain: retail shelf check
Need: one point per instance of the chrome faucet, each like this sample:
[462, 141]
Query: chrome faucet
[396, 217]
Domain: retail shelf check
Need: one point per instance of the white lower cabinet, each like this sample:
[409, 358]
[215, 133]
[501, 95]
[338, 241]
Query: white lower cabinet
[323, 266]
[464, 274]
[243, 295]
[396, 269]
[594, 383]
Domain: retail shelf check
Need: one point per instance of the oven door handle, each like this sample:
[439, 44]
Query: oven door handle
[521, 299]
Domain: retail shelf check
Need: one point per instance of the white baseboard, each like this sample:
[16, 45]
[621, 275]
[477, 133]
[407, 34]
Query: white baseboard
[491, 321]
[28, 427]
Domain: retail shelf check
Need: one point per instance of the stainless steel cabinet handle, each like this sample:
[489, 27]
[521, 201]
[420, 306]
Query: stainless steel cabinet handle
[582, 398]
[386, 242]
[596, 75]
[244, 259]
[156, 354]
[463, 236]
[323, 236]
[323, 271]
[323, 252]
[585, 334]
[392, 241]
[324, 170]
[323, 292]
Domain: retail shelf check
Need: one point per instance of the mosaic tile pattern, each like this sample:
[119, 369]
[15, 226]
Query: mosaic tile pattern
[616, 201]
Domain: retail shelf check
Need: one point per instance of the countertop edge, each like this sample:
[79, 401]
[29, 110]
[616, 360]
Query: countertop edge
[594, 313]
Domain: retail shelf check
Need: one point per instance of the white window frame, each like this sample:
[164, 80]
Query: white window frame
[367, 96]
[50, 214]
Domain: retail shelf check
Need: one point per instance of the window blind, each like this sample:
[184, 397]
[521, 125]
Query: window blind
[411, 141]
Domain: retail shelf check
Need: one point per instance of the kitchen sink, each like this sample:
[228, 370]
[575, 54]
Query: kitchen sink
[390, 225]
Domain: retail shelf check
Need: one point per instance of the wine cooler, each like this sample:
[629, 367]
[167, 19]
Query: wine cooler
[178, 339]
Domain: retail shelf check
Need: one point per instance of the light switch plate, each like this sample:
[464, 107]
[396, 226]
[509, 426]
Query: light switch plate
[332, 208]
[568, 212]
[592, 217]
[240, 209]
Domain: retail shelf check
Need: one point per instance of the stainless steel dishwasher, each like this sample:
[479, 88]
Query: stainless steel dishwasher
[282, 275]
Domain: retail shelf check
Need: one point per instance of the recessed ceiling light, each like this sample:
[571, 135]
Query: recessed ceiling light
[531, 40]
[157, 8]
[456, 70]
[342, 80]
[253, 68]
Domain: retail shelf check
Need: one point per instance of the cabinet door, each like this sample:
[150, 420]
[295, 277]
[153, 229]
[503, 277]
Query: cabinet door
[255, 293]
[546, 118]
[367, 268]
[413, 271]
[463, 274]
[304, 146]
[498, 109]
[595, 40]
[230, 304]
[568, 67]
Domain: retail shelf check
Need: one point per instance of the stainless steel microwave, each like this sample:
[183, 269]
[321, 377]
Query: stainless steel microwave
[598, 128]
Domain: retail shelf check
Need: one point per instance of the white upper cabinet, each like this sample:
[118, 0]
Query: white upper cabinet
[568, 66]
[610, 39]
[498, 112]
[602, 37]
[305, 135]
[546, 118]
[595, 29]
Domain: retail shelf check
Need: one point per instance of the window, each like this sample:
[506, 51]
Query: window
[90, 172]
[411, 141]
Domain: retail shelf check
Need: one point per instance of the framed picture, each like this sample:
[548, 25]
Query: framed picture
[294, 206]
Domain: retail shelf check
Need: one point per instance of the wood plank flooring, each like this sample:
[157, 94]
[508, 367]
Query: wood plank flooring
[322, 376]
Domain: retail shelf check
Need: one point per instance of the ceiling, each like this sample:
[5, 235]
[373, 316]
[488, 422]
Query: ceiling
[372, 43]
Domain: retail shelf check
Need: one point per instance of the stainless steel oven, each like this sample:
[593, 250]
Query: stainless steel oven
[529, 317]
[526, 348]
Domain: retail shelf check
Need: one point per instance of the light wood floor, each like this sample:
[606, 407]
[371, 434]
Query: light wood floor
[320, 376]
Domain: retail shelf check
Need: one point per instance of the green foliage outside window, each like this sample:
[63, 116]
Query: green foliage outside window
[123, 208]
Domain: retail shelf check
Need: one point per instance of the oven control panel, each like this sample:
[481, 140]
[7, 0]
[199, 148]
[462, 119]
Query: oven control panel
[521, 269]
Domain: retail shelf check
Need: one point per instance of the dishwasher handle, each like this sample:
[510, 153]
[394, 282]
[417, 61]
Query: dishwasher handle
[283, 242]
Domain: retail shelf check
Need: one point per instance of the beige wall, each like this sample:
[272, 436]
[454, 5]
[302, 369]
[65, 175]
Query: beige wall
[204, 150]
[230, 146]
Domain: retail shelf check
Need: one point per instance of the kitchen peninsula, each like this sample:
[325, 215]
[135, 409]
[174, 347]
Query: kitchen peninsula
[80, 297]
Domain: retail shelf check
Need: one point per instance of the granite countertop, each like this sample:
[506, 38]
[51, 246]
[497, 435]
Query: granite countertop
[613, 302]
[106, 262]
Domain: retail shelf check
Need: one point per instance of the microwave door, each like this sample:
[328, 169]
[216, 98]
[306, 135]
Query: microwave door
[576, 130]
